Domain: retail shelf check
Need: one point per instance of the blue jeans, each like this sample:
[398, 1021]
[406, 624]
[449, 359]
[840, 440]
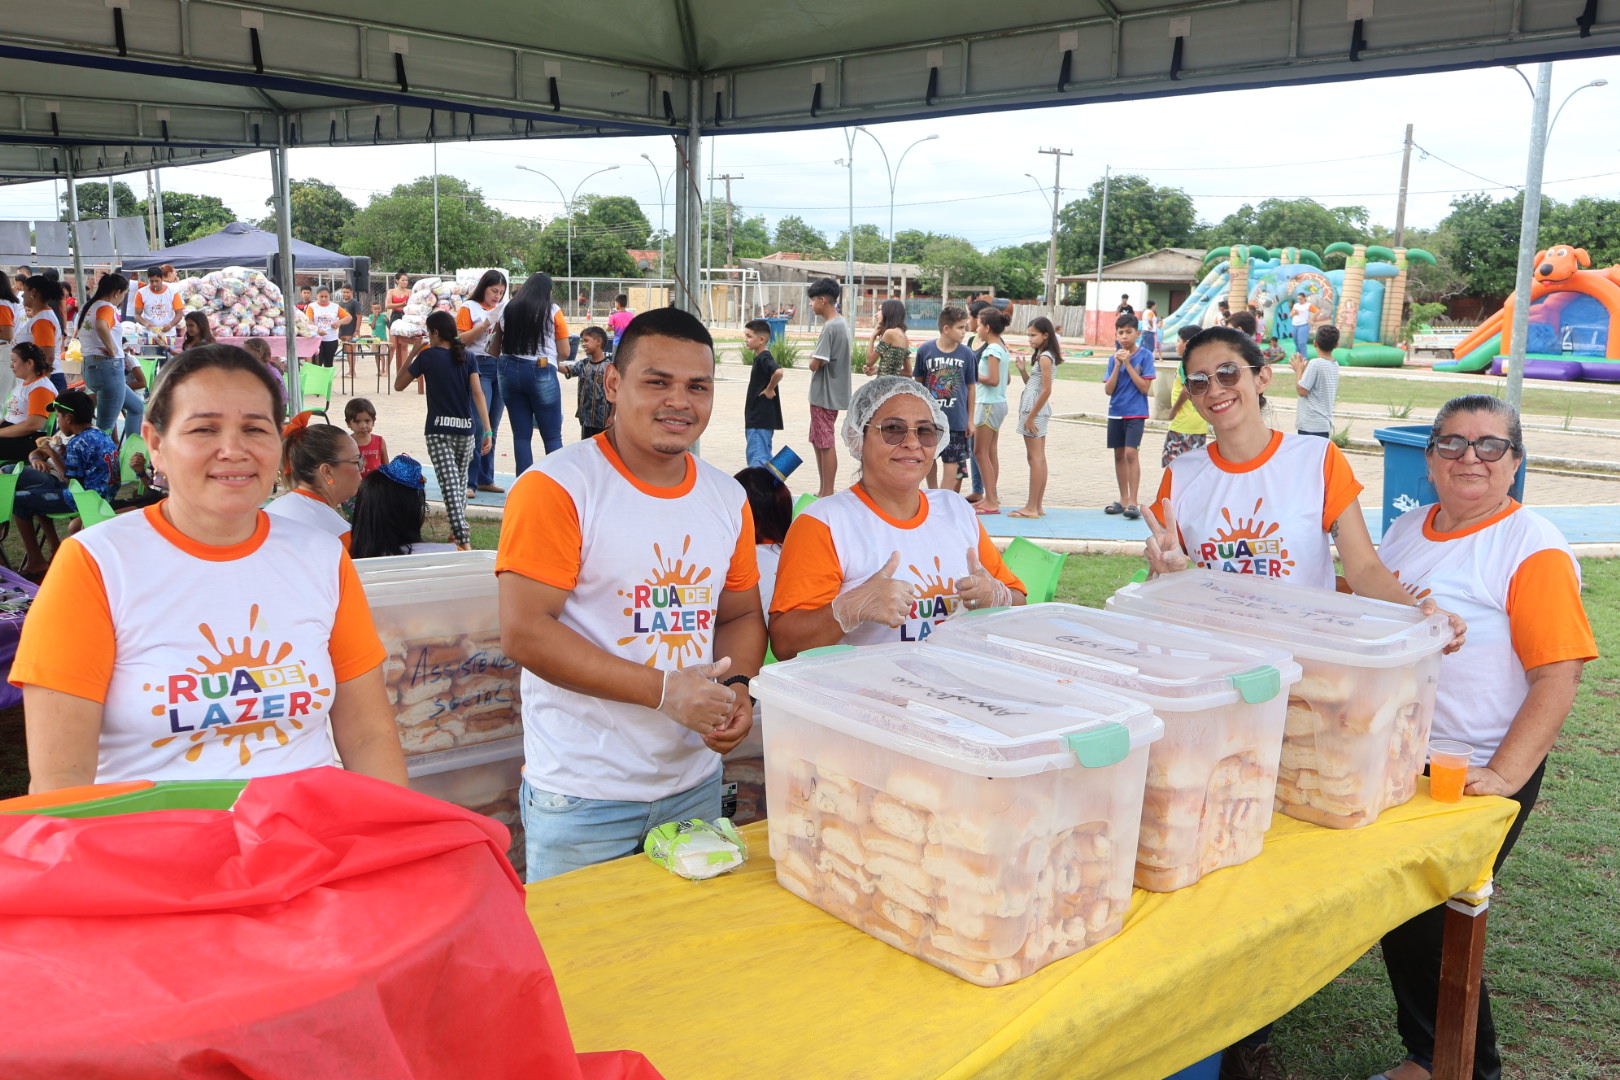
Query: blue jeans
[532, 396]
[482, 469]
[104, 377]
[40, 493]
[564, 832]
[759, 445]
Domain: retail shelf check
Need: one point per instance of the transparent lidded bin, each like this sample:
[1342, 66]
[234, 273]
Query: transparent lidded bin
[485, 778]
[1358, 719]
[1212, 779]
[447, 678]
[978, 817]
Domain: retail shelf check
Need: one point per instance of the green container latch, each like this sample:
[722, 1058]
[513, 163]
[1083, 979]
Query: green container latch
[1100, 746]
[1261, 684]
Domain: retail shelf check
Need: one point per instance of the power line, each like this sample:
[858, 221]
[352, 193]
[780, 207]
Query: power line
[1427, 153]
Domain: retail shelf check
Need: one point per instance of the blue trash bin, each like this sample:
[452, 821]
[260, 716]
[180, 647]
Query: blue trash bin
[778, 329]
[1406, 470]
[1208, 1069]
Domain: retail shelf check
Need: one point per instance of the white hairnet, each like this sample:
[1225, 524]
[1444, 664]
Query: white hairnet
[866, 402]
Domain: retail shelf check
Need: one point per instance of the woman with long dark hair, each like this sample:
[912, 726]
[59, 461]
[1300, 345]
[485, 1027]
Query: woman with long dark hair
[398, 297]
[10, 309]
[890, 351]
[389, 512]
[195, 331]
[101, 343]
[476, 323]
[455, 394]
[531, 327]
[43, 324]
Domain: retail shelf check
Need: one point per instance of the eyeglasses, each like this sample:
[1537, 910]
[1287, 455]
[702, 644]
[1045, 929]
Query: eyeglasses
[1198, 385]
[1452, 447]
[357, 461]
[894, 432]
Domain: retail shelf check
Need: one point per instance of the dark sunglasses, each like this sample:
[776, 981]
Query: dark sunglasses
[1452, 447]
[1225, 374]
[894, 432]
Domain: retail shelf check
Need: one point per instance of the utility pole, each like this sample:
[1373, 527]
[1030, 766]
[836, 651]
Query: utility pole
[162, 226]
[1102, 235]
[435, 210]
[1400, 207]
[728, 178]
[1051, 251]
[1529, 233]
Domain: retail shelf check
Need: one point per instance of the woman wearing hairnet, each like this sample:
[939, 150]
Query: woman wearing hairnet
[885, 560]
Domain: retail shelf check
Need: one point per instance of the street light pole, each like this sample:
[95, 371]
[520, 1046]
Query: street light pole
[568, 207]
[1051, 202]
[894, 179]
[849, 251]
[435, 210]
[1102, 236]
[660, 183]
[1051, 251]
[1530, 222]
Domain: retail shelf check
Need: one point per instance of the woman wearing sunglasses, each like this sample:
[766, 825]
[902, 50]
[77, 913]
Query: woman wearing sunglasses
[320, 465]
[1510, 573]
[885, 560]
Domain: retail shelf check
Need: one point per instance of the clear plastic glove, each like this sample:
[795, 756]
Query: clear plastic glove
[1164, 552]
[878, 599]
[694, 700]
[980, 589]
[1459, 628]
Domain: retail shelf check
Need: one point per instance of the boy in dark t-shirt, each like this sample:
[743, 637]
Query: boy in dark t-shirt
[950, 371]
[762, 415]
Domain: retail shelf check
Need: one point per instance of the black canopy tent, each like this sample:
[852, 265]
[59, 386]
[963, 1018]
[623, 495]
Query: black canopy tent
[237, 244]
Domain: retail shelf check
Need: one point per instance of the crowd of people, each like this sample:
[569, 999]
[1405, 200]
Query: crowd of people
[639, 586]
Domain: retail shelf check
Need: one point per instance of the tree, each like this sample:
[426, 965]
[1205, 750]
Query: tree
[618, 214]
[1016, 275]
[1425, 283]
[750, 236]
[965, 263]
[793, 233]
[870, 245]
[188, 217]
[93, 200]
[396, 229]
[319, 213]
[1141, 218]
[1278, 223]
[1481, 241]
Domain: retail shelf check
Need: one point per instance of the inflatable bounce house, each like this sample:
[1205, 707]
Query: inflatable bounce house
[1364, 300]
[1574, 323]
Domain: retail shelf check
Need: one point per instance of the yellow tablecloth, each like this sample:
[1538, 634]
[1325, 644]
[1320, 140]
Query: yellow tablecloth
[736, 977]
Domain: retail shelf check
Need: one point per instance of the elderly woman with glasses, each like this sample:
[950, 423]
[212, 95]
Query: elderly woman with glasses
[885, 560]
[1510, 573]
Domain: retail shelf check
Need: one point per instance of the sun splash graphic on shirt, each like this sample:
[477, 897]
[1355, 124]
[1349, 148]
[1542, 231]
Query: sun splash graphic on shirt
[241, 697]
[672, 610]
[934, 602]
[1414, 590]
[1248, 546]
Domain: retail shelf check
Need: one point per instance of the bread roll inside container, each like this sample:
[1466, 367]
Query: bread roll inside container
[1357, 726]
[448, 680]
[1212, 778]
[979, 816]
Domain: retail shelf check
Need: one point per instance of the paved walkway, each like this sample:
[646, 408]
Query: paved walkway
[1081, 468]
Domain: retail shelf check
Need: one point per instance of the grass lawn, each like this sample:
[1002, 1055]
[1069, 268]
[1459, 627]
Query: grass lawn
[1554, 942]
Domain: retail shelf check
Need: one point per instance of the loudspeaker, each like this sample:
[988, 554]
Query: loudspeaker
[362, 275]
[273, 270]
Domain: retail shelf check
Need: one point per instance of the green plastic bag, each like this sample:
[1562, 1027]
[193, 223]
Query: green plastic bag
[696, 849]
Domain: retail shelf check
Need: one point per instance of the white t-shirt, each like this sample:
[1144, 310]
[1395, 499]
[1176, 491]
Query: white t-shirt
[1314, 412]
[644, 568]
[210, 663]
[1516, 583]
[769, 557]
[1269, 516]
[548, 349]
[158, 307]
[303, 507]
[326, 318]
[29, 399]
[839, 542]
[43, 330]
[1301, 313]
[90, 343]
[475, 315]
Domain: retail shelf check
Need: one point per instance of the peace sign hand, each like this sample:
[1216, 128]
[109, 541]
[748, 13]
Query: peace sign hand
[1164, 552]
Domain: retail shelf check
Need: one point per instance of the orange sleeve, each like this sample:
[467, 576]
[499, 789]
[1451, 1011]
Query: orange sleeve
[45, 334]
[808, 574]
[175, 303]
[39, 402]
[744, 570]
[1162, 499]
[346, 539]
[991, 560]
[1545, 616]
[68, 642]
[8, 317]
[355, 648]
[540, 536]
[107, 316]
[1339, 486]
[561, 325]
[463, 319]
[140, 300]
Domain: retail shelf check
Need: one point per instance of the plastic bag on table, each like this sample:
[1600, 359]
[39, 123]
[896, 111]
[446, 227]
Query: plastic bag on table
[328, 925]
[695, 849]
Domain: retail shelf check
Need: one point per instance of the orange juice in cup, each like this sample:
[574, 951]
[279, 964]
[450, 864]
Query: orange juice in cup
[1448, 769]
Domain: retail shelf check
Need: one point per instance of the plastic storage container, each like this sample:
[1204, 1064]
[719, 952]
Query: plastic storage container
[1358, 720]
[1212, 778]
[431, 564]
[980, 817]
[484, 779]
[446, 676]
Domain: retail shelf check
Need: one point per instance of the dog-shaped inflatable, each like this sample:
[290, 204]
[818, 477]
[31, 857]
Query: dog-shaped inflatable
[1560, 263]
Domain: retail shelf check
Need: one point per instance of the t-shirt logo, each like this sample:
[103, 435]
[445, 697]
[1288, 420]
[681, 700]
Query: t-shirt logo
[240, 697]
[1415, 591]
[945, 382]
[936, 601]
[672, 609]
[1248, 546]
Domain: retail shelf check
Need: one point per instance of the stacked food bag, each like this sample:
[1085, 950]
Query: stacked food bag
[428, 295]
[241, 303]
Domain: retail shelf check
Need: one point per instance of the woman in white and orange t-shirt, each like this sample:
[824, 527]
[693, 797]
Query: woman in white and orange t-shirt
[29, 403]
[476, 323]
[202, 638]
[321, 467]
[1510, 573]
[42, 323]
[532, 331]
[101, 343]
[885, 560]
[11, 319]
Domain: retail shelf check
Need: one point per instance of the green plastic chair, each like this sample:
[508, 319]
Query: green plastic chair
[1036, 567]
[93, 509]
[8, 498]
[801, 502]
[149, 369]
[133, 444]
[316, 380]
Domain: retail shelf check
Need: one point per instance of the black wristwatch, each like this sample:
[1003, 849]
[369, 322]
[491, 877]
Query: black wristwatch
[734, 680]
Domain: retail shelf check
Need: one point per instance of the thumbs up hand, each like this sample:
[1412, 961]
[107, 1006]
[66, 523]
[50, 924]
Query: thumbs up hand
[878, 599]
[980, 588]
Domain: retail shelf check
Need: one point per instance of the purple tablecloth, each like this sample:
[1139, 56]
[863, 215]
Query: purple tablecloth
[11, 623]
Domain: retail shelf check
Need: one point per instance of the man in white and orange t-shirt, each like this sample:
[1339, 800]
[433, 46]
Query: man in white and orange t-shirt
[157, 305]
[629, 594]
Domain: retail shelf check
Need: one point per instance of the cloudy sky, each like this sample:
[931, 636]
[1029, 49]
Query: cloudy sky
[1339, 143]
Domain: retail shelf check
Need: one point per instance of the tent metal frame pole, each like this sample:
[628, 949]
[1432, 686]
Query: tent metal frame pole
[689, 207]
[279, 175]
[73, 221]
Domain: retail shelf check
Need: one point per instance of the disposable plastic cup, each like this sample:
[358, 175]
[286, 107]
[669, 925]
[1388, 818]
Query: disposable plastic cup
[1448, 769]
